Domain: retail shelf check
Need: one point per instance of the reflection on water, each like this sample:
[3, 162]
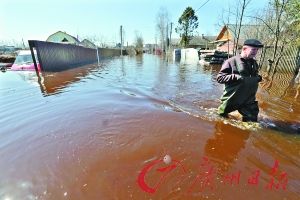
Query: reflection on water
[279, 104]
[53, 83]
[229, 139]
[86, 133]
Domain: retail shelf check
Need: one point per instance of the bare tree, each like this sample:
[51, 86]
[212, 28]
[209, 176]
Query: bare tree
[139, 42]
[162, 21]
[276, 30]
[234, 21]
[240, 15]
[16, 43]
[98, 40]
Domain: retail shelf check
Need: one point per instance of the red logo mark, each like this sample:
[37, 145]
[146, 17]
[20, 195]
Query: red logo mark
[164, 170]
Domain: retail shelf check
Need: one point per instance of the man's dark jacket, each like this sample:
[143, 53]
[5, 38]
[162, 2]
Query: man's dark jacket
[241, 78]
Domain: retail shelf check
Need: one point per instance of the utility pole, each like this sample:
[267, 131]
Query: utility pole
[227, 34]
[121, 34]
[205, 41]
[170, 34]
[155, 45]
[23, 44]
[167, 37]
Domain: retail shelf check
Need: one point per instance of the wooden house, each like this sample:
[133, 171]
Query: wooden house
[227, 38]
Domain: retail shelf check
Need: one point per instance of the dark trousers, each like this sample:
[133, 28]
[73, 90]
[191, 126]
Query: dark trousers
[249, 112]
[240, 96]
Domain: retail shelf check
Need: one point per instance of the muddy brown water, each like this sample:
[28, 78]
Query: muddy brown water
[91, 132]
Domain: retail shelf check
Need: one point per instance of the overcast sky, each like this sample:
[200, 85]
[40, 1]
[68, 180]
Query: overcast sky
[37, 19]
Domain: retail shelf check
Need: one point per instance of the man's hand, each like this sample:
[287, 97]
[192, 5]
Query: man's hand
[259, 78]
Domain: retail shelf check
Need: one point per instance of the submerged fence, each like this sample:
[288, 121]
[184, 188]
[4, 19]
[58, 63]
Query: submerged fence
[289, 62]
[280, 78]
[53, 57]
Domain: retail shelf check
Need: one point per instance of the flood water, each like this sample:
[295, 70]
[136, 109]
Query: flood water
[100, 132]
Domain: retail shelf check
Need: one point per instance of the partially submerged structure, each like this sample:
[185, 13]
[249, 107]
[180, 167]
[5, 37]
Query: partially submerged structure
[54, 57]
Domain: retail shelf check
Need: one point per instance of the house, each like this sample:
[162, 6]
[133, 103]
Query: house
[60, 36]
[202, 42]
[197, 42]
[87, 43]
[227, 38]
[63, 37]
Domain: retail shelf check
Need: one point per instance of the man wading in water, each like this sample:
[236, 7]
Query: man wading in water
[240, 76]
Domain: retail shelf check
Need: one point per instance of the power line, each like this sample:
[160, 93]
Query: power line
[199, 7]
[202, 5]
